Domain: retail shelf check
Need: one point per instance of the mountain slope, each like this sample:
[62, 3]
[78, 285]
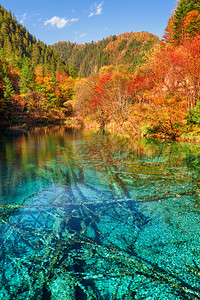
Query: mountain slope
[127, 49]
[17, 43]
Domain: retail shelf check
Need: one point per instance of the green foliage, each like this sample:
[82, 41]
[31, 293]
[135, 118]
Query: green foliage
[73, 72]
[34, 79]
[27, 81]
[194, 115]
[134, 44]
[124, 49]
[28, 75]
[122, 45]
[8, 88]
[183, 8]
[15, 40]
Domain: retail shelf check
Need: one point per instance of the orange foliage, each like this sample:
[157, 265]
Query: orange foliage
[162, 115]
[192, 23]
[61, 77]
[169, 31]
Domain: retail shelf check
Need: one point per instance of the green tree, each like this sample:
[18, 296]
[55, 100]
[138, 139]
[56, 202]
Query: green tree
[183, 8]
[73, 72]
[8, 88]
[27, 81]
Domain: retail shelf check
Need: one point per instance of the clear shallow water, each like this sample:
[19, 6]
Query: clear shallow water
[87, 216]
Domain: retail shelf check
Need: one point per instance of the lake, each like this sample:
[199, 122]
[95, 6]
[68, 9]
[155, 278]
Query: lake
[90, 216]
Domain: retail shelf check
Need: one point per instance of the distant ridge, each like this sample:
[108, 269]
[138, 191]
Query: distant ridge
[126, 49]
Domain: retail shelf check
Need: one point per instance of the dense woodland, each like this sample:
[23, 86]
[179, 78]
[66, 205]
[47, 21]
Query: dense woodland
[17, 43]
[30, 72]
[132, 83]
[127, 50]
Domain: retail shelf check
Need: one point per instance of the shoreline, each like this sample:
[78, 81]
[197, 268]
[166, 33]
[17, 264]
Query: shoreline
[111, 128]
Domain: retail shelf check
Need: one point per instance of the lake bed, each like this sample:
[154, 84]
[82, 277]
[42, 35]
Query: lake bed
[86, 215]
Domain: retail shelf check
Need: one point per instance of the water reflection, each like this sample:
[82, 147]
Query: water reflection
[91, 216]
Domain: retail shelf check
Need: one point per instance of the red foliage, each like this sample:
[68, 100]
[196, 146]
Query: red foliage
[101, 95]
[61, 77]
[169, 31]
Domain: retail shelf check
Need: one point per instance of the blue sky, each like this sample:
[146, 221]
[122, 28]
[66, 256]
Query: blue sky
[83, 21]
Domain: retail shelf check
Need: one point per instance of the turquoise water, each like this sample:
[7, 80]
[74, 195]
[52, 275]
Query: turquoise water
[91, 216]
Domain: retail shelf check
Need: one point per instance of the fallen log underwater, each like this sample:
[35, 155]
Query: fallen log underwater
[66, 241]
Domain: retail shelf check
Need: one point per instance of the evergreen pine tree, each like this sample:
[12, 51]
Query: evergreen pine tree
[73, 72]
[183, 8]
[8, 89]
[27, 81]
[53, 74]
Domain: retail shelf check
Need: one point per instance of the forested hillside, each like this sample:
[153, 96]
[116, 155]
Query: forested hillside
[34, 81]
[17, 43]
[133, 82]
[161, 97]
[126, 49]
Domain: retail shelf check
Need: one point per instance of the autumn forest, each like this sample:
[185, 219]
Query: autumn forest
[133, 83]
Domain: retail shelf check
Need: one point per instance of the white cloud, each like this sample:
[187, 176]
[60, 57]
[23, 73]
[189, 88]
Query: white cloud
[96, 9]
[59, 22]
[82, 35]
[22, 18]
[73, 20]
